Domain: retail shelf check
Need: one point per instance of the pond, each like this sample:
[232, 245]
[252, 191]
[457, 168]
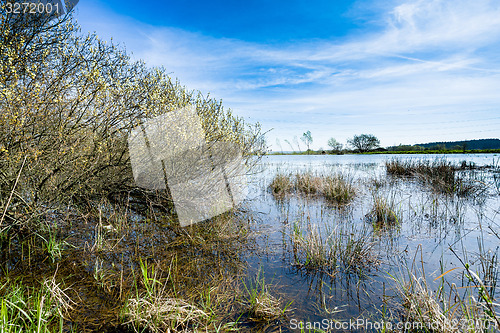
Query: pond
[321, 243]
[435, 232]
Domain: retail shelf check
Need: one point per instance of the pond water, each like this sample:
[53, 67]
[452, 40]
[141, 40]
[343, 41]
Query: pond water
[436, 232]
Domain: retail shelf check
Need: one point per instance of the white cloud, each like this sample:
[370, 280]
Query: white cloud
[433, 56]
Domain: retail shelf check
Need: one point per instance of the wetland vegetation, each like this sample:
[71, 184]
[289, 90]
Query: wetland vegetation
[336, 238]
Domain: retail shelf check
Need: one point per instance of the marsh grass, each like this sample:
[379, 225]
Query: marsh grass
[261, 305]
[33, 309]
[441, 175]
[281, 185]
[155, 308]
[307, 183]
[338, 189]
[385, 211]
[332, 251]
[190, 285]
[445, 308]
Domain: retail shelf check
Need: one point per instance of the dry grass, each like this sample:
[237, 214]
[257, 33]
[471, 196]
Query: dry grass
[440, 175]
[333, 251]
[161, 314]
[337, 188]
[447, 308]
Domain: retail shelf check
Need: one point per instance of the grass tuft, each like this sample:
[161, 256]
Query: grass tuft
[334, 251]
[440, 175]
[281, 185]
[260, 304]
[337, 188]
[384, 212]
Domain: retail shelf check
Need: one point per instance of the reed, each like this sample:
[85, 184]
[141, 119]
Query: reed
[334, 251]
[260, 304]
[445, 308]
[337, 188]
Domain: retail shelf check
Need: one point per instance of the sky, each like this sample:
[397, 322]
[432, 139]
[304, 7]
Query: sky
[406, 71]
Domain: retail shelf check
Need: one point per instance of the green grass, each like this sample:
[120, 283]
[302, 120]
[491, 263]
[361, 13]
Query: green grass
[333, 251]
[32, 309]
[260, 304]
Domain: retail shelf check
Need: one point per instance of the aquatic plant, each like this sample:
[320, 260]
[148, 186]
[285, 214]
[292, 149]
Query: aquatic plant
[334, 251]
[440, 175]
[336, 188]
[260, 304]
[281, 185]
[445, 308]
[384, 211]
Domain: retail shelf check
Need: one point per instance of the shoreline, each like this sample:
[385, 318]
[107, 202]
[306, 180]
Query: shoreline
[435, 152]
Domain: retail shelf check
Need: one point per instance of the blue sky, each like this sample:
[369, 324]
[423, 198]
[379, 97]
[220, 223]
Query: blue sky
[407, 71]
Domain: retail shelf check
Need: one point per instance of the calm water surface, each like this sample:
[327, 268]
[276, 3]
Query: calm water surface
[431, 222]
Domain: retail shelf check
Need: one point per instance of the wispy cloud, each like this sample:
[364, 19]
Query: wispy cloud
[430, 61]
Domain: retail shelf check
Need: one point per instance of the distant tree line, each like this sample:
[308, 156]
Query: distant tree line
[363, 143]
[452, 145]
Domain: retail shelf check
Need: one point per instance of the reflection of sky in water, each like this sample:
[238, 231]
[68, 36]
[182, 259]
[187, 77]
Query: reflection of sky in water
[435, 222]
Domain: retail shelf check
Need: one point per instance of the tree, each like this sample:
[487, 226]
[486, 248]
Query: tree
[68, 102]
[364, 142]
[335, 145]
[307, 138]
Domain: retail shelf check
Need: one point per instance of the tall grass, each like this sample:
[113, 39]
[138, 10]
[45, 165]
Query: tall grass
[32, 309]
[338, 188]
[439, 174]
[333, 251]
[447, 307]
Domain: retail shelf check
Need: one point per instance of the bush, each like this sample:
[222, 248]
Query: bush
[68, 103]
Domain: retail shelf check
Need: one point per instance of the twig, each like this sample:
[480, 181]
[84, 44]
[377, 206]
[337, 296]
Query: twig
[12, 192]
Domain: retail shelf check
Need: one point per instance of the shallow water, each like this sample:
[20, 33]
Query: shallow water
[434, 223]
